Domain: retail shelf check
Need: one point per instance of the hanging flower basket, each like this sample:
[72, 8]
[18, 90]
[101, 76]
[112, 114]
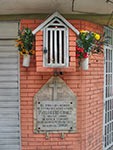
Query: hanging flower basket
[26, 60]
[84, 63]
[88, 43]
[25, 44]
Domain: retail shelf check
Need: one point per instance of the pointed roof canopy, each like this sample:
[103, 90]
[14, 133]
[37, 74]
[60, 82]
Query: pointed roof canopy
[53, 16]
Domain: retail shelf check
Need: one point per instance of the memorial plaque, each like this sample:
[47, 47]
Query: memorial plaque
[55, 108]
[55, 115]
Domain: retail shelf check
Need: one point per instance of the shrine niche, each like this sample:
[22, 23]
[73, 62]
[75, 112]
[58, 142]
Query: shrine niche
[55, 108]
[55, 44]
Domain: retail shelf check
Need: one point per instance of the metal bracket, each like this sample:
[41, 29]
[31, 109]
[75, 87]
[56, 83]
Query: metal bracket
[55, 73]
[47, 136]
[45, 50]
[62, 136]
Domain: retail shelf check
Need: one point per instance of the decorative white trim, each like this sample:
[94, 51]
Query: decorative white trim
[56, 14]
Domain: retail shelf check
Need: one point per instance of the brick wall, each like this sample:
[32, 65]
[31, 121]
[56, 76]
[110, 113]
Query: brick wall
[87, 86]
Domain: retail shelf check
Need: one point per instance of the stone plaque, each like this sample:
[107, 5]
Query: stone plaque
[55, 108]
[55, 115]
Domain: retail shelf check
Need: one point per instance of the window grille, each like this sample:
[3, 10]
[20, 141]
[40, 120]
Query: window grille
[55, 44]
[108, 93]
[109, 33]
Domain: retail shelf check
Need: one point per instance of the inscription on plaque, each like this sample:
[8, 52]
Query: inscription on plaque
[55, 115]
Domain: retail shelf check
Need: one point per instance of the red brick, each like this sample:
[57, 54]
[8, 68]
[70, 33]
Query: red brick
[39, 48]
[38, 58]
[73, 59]
[39, 43]
[72, 43]
[27, 21]
[39, 33]
[39, 38]
[39, 21]
[72, 54]
[72, 38]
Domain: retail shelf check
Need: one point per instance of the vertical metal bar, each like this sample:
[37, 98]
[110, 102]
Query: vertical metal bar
[108, 32]
[104, 115]
[65, 47]
[46, 45]
[51, 46]
[55, 38]
[112, 93]
[60, 47]
[108, 73]
[112, 37]
[111, 72]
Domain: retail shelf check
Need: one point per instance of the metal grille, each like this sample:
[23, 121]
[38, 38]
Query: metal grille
[9, 97]
[56, 44]
[108, 99]
[109, 33]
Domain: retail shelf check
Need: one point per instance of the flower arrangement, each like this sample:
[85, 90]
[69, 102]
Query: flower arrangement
[25, 42]
[87, 43]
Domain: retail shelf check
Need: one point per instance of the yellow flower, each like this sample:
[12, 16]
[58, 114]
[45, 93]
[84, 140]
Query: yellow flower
[97, 36]
[82, 31]
[32, 51]
[21, 53]
[25, 52]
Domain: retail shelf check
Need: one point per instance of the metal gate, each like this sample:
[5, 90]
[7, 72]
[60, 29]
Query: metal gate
[9, 88]
[108, 94]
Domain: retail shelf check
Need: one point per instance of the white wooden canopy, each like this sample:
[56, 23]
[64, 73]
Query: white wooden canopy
[55, 15]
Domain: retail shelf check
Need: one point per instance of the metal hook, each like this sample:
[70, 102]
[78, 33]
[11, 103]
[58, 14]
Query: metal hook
[55, 73]
[62, 136]
[47, 136]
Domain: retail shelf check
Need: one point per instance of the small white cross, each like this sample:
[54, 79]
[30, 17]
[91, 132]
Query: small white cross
[54, 87]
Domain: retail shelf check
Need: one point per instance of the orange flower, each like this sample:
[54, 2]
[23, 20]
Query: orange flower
[17, 40]
[18, 43]
[33, 52]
